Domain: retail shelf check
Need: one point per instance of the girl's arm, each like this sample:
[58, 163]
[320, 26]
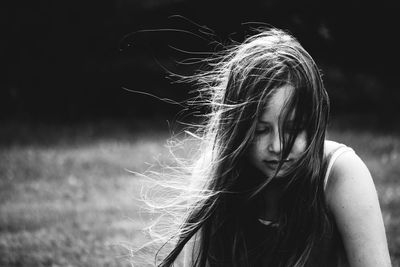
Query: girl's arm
[352, 198]
[191, 250]
[188, 253]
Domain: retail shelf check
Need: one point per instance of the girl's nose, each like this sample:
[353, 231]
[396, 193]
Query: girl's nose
[275, 144]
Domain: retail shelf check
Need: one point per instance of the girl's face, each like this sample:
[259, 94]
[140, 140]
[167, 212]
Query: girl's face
[265, 150]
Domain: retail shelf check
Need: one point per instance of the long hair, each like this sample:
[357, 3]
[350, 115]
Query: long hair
[217, 206]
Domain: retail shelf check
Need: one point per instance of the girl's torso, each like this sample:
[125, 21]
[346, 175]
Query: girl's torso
[330, 250]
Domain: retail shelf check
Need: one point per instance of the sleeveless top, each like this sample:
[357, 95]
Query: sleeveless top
[330, 252]
[332, 249]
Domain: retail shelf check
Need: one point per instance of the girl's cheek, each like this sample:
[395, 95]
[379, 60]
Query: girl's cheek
[261, 146]
[301, 142]
[255, 147]
[254, 142]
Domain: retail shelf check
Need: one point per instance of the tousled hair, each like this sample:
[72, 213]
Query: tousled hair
[218, 199]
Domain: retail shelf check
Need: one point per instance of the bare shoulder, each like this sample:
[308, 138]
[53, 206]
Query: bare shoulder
[349, 176]
[352, 198]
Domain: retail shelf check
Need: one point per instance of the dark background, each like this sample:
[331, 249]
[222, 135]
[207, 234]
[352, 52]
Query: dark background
[68, 61]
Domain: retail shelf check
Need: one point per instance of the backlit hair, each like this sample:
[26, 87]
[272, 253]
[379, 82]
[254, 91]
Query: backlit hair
[212, 202]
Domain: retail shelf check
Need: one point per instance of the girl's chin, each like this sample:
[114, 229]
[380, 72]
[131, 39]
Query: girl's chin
[261, 173]
[271, 173]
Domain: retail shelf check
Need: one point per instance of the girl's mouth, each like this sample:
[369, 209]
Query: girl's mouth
[274, 163]
[277, 161]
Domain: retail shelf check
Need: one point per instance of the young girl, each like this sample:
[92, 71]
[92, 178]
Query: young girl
[268, 189]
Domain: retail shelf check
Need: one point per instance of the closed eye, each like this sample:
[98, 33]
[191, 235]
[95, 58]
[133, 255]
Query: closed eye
[263, 128]
[261, 131]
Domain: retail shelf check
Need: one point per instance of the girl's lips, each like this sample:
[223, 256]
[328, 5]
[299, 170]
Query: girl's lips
[277, 161]
[274, 163]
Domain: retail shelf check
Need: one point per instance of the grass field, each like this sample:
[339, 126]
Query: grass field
[67, 198]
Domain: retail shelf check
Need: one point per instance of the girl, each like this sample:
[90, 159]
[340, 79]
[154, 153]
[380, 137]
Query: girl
[268, 189]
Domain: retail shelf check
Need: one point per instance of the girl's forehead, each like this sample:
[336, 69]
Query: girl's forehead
[276, 104]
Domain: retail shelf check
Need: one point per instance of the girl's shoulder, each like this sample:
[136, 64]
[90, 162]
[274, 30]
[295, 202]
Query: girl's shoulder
[352, 199]
[330, 147]
[346, 174]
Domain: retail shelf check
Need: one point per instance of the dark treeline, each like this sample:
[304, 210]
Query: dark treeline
[70, 60]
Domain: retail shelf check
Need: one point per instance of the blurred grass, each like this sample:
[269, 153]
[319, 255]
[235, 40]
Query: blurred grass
[67, 199]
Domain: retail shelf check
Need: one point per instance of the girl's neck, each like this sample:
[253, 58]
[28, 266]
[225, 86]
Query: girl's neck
[271, 201]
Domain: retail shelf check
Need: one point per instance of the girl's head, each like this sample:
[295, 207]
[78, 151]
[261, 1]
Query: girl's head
[269, 105]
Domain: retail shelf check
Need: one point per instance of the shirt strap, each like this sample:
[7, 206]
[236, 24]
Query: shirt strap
[332, 158]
